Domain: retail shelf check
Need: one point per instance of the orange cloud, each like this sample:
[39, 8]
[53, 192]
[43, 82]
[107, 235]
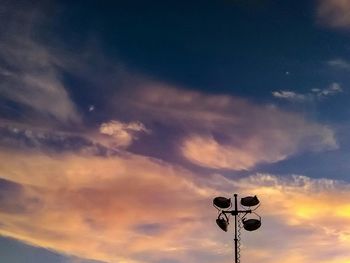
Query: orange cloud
[108, 202]
[129, 208]
[122, 134]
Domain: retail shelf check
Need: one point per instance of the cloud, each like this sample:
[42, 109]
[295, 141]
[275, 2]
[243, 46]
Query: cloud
[34, 81]
[339, 63]
[136, 209]
[15, 136]
[306, 206]
[122, 133]
[225, 132]
[334, 88]
[107, 200]
[289, 95]
[334, 13]
[107, 140]
[314, 94]
[30, 72]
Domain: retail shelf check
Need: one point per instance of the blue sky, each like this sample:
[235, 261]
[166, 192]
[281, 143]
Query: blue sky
[120, 121]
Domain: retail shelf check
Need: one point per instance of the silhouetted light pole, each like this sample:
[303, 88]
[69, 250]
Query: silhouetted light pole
[224, 205]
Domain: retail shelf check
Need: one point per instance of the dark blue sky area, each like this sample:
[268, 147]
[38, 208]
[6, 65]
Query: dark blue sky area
[240, 47]
[243, 48]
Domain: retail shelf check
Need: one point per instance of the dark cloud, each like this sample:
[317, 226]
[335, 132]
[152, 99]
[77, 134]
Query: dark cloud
[150, 229]
[15, 199]
[49, 141]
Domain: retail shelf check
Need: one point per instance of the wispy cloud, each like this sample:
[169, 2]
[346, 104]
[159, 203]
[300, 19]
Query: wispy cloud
[107, 140]
[314, 94]
[332, 89]
[289, 95]
[15, 136]
[339, 64]
[334, 13]
[29, 71]
[33, 81]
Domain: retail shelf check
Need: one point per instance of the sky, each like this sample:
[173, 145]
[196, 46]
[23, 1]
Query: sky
[120, 121]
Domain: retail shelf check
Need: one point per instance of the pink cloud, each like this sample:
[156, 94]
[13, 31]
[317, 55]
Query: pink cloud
[334, 13]
[105, 209]
[222, 131]
[122, 134]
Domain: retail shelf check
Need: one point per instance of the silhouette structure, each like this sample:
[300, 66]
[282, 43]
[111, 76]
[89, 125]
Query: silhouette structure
[224, 204]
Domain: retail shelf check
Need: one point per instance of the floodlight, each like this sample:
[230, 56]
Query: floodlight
[250, 201]
[222, 223]
[249, 205]
[251, 224]
[222, 202]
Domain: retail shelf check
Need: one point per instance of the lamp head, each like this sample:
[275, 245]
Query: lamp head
[222, 223]
[222, 202]
[250, 201]
[251, 224]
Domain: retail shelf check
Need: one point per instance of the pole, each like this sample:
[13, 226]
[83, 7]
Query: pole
[222, 204]
[236, 240]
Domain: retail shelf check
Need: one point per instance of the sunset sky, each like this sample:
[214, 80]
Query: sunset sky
[120, 121]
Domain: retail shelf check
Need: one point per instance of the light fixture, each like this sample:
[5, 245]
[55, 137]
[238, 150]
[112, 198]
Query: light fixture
[223, 204]
[250, 201]
[251, 224]
[222, 222]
